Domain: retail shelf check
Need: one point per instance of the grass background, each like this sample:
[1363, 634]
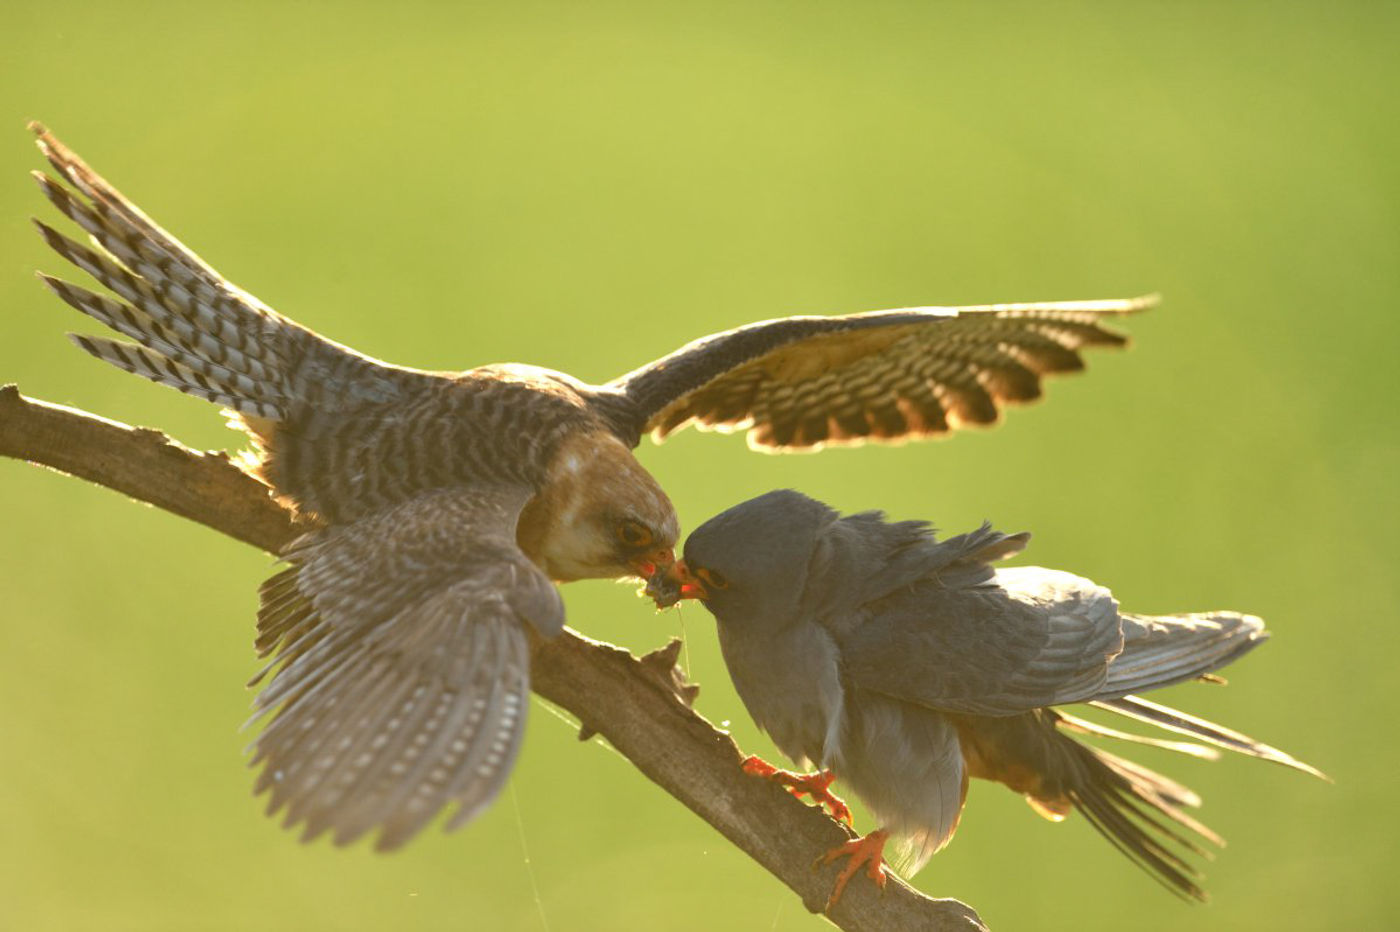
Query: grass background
[586, 186]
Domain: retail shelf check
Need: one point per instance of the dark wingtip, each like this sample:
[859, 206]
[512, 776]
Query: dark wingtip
[46, 231]
[55, 239]
[56, 285]
[85, 344]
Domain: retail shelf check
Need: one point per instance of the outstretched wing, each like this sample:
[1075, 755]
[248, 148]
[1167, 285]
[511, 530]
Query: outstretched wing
[401, 665]
[806, 382]
[341, 434]
[193, 330]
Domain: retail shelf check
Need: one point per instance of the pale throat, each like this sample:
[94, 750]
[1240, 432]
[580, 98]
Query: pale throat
[568, 530]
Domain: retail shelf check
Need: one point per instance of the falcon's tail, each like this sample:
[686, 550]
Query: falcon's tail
[1140, 812]
[1170, 719]
[196, 332]
[1120, 798]
[1160, 650]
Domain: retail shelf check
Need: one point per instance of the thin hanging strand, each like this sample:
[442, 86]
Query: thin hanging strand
[525, 850]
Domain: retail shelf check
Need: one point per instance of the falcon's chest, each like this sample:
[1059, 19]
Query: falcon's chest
[789, 680]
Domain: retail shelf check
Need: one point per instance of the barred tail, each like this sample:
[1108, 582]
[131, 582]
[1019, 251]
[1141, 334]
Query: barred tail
[194, 331]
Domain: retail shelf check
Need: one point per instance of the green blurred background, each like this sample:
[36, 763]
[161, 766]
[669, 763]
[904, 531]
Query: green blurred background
[586, 186]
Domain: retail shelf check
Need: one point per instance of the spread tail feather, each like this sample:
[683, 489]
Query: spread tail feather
[1142, 710]
[1140, 813]
[1085, 727]
[1160, 650]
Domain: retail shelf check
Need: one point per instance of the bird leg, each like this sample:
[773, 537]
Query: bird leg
[869, 851]
[802, 784]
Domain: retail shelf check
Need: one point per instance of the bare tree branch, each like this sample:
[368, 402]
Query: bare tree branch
[638, 705]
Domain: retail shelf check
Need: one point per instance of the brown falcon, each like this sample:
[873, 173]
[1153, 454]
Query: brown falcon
[447, 502]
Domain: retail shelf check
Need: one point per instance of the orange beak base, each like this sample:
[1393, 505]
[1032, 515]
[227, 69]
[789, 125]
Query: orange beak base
[668, 586]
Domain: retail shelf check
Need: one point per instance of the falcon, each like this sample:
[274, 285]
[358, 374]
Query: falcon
[447, 504]
[903, 665]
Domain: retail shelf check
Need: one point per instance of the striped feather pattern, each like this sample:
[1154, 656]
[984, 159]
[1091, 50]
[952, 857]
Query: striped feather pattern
[175, 341]
[172, 303]
[400, 675]
[804, 383]
[166, 371]
[340, 435]
[383, 729]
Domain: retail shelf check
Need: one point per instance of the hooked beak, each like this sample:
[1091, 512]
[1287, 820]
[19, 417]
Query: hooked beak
[648, 564]
[669, 585]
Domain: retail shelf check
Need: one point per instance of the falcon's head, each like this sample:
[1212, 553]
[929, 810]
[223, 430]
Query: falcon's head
[599, 515]
[750, 562]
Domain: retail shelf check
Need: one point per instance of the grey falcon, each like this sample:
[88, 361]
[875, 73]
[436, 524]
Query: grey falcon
[903, 665]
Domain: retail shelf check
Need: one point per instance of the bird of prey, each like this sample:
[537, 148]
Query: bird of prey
[902, 666]
[447, 504]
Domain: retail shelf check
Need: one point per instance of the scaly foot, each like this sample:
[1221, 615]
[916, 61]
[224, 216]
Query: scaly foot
[815, 785]
[869, 851]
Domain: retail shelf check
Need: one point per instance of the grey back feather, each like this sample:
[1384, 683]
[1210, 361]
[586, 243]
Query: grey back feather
[862, 558]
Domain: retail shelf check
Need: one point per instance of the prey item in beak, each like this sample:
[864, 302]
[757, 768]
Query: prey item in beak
[668, 586]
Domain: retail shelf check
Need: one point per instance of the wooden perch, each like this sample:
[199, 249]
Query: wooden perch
[639, 706]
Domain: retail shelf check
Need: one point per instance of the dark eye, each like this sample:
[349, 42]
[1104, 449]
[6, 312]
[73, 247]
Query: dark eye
[634, 534]
[712, 579]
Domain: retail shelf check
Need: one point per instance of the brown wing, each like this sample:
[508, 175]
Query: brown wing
[807, 382]
[196, 332]
[402, 663]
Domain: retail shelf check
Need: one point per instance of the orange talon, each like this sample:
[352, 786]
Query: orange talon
[815, 785]
[869, 850]
[757, 766]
